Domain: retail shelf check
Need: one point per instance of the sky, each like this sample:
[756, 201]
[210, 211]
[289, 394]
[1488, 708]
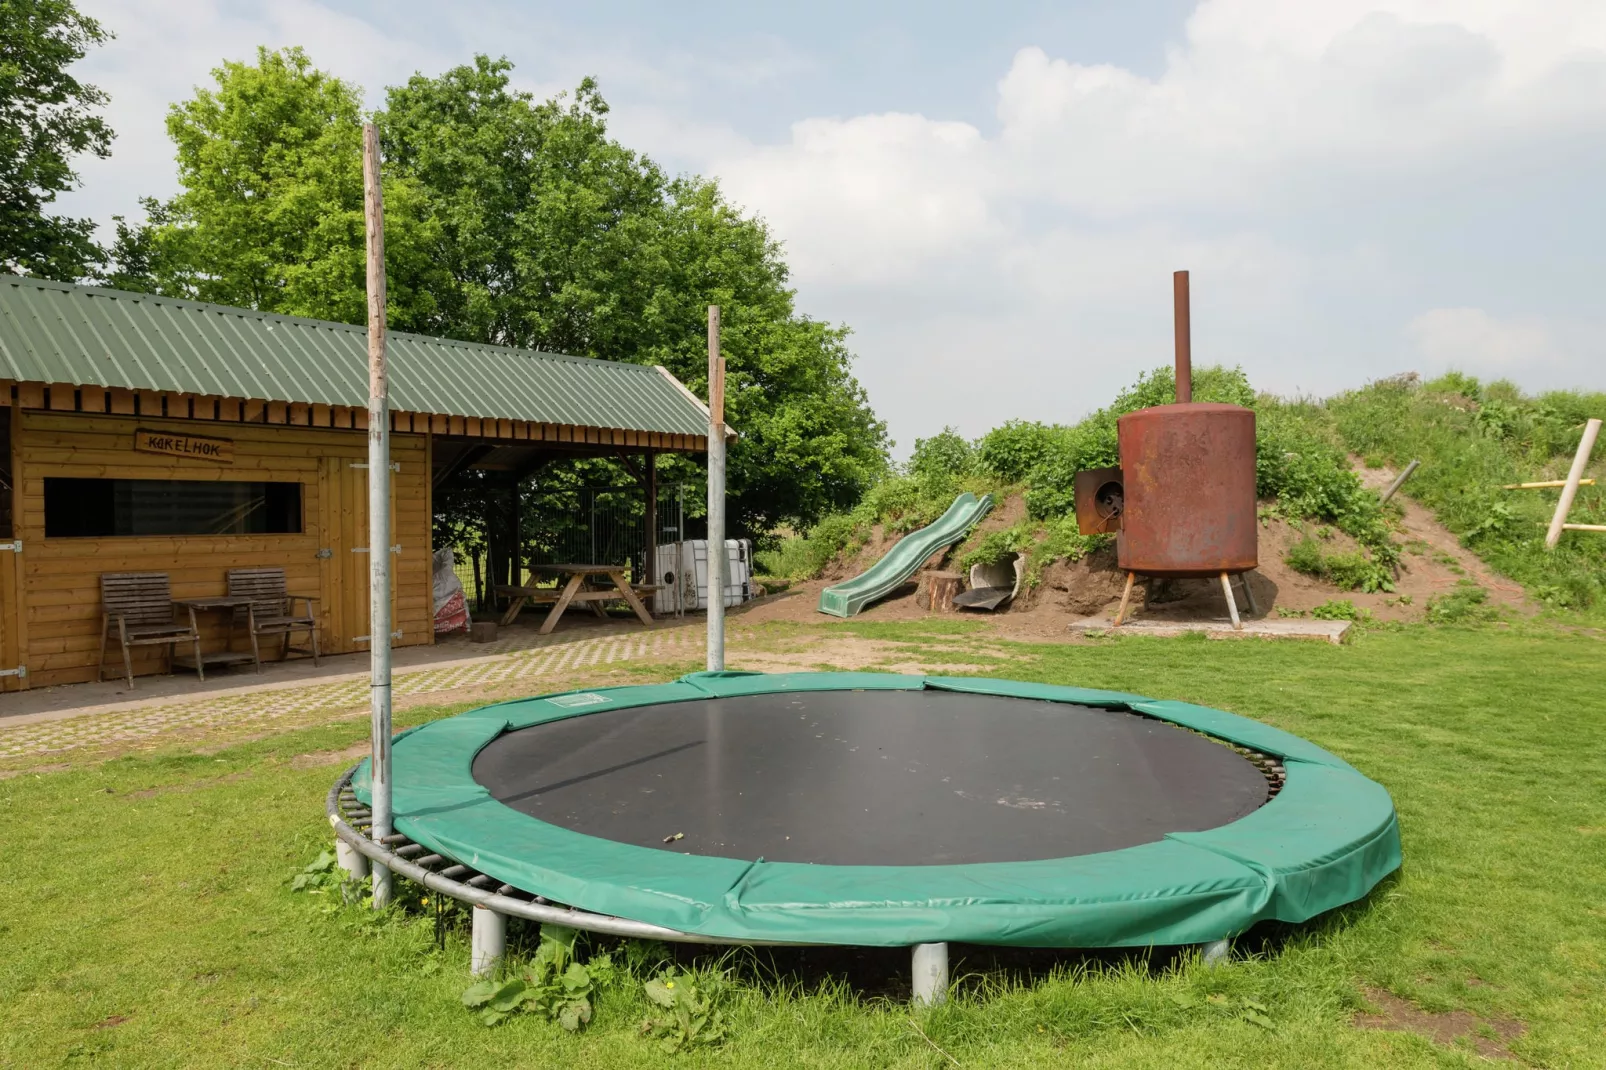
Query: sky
[994, 196]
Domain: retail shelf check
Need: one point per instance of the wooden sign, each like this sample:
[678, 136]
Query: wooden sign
[220, 450]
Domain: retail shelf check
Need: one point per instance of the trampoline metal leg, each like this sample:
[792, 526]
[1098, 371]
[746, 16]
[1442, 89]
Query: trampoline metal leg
[930, 973]
[352, 861]
[1214, 952]
[1232, 603]
[487, 942]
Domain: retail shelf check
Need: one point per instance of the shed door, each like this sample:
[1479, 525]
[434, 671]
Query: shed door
[344, 515]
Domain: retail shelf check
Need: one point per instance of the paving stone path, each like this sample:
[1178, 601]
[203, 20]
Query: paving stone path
[507, 661]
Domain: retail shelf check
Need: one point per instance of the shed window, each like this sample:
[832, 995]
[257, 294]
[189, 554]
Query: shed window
[104, 507]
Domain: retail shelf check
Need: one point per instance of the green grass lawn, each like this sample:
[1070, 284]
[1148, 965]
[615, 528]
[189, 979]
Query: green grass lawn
[146, 918]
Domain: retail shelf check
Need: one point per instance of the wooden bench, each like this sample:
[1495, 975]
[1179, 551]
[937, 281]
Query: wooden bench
[273, 610]
[140, 606]
[590, 584]
[519, 597]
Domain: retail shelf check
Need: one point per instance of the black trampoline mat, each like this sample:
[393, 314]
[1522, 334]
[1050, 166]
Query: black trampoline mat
[871, 777]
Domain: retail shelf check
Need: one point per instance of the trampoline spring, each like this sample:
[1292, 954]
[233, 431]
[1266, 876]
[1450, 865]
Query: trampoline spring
[456, 871]
[410, 850]
[357, 814]
[479, 882]
[393, 838]
[429, 860]
[506, 889]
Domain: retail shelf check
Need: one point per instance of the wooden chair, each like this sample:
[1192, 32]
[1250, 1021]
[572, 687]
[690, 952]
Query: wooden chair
[273, 610]
[140, 606]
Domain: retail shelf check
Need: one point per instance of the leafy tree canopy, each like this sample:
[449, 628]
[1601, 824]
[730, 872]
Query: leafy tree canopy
[515, 222]
[46, 118]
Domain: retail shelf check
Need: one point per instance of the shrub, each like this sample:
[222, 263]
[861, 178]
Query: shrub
[942, 456]
[1349, 570]
[1012, 451]
[998, 546]
[1340, 609]
[1467, 602]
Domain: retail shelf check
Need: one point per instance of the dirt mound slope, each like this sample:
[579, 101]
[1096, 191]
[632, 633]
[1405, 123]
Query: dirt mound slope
[1433, 564]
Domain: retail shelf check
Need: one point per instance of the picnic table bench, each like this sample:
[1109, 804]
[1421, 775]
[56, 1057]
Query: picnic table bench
[581, 586]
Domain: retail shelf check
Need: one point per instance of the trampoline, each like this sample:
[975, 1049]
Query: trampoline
[878, 810]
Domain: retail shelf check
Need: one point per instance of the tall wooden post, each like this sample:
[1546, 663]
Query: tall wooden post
[649, 557]
[1569, 490]
[378, 507]
[716, 496]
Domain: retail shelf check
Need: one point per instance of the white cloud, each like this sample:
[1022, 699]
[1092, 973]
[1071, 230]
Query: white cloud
[1351, 181]
[165, 49]
[1471, 340]
[1296, 157]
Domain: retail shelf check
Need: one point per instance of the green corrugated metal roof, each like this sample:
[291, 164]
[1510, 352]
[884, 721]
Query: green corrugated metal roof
[55, 333]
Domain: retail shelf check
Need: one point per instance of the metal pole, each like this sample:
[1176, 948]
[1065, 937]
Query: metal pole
[716, 496]
[1184, 332]
[378, 507]
[1394, 487]
[649, 553]
[1586, 445]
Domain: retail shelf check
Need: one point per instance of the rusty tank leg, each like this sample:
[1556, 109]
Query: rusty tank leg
[1126, 596]
[1232, 603]
[1249, 594]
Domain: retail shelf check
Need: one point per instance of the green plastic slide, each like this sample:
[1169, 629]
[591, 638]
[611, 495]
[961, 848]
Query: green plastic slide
[847, 598]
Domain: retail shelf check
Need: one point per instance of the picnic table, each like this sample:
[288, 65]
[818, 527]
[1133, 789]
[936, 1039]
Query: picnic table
[584, 585]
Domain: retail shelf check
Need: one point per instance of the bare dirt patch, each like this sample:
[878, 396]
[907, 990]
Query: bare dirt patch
[1396, 1015]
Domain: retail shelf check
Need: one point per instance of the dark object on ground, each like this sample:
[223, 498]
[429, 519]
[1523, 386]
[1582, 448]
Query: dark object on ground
[988, 598]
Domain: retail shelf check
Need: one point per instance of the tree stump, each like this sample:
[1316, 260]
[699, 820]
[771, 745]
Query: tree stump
[936, 591]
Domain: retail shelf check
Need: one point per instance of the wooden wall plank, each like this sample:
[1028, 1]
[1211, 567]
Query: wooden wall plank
[61, 398]
[31, 395]
[61, 576]
[229, 409]
[278, 412]
[121, 401]
[91, 399]
[176, 406]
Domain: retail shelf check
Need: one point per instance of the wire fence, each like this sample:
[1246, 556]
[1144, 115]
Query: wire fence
[586, 525]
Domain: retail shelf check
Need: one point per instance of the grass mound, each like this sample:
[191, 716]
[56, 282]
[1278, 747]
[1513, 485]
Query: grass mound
[1472, 439]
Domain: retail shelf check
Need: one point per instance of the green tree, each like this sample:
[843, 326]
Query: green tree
[46, 118]
[270, 215]
[515, 222]
[557, 237]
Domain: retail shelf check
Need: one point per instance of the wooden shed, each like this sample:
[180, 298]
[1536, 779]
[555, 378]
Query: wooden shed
[142, 433]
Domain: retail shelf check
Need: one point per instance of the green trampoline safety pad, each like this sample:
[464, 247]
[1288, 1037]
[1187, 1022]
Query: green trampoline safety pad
[882, 810]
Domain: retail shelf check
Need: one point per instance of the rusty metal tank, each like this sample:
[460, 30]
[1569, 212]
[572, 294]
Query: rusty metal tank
[1188, 477]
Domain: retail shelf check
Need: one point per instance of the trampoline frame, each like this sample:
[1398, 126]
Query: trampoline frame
[494, 900]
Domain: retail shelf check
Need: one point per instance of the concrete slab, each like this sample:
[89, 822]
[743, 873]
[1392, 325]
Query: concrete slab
[1332, 631]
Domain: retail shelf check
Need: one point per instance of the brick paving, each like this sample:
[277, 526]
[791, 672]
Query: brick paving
[506, 661]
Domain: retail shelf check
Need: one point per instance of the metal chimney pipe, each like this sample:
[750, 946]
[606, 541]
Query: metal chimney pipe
[1184, 330]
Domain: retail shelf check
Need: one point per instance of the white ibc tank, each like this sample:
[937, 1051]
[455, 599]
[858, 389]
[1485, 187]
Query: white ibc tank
[683, 570]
